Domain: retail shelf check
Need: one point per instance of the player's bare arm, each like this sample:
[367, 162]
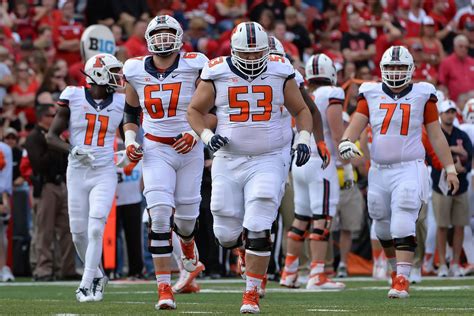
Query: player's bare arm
[296, 106]
[59, 125]
[440, 145]
[347, 148]
[131, 123]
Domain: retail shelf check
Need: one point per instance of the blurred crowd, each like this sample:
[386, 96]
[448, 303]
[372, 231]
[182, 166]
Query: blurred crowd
[40, 55]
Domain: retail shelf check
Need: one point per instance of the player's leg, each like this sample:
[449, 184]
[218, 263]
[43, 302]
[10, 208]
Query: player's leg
[78, 209]
[187, 199]
[101, 198]
[262, 192]
[159, 178]
[324, 198]
[300, 225]
[408, 196]
[186, 282]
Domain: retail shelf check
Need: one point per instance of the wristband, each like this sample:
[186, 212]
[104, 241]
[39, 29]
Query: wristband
[206, 135]
[130, 137]
[304, 138]
[451, 169]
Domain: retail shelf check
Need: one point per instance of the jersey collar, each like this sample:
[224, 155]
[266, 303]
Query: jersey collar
[98, 106]
[152, 70]
[397, 96]
[239, 73]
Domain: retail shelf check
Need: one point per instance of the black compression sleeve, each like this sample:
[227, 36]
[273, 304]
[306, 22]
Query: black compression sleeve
[131, 114]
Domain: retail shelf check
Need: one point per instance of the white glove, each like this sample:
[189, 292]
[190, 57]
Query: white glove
[348, 177]
[82, 155]
[122, 159]
[348, 149]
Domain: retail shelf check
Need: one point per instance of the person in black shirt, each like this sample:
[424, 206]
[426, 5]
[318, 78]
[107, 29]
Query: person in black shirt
[452, 210]
[276, 6]
[51, 218]
[357, 47]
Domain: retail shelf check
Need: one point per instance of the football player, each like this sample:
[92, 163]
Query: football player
[316, 189]
[248, 88]
[92, 116]
[398, 177]
[162, 84]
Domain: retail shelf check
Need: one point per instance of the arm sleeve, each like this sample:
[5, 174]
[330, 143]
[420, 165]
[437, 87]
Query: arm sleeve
[431, 112]
[431, 157]
[362, 105]
[336, 96]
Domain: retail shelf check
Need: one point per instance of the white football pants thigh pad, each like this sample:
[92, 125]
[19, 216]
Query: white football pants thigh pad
[90, 194]
[245, 193]
[173, 179]
[395, 197]
[316, 190]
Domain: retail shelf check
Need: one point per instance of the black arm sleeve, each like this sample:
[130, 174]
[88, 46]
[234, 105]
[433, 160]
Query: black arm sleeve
[131, 114]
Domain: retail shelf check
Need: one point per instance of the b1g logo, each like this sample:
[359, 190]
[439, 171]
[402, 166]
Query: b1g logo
[101, 45]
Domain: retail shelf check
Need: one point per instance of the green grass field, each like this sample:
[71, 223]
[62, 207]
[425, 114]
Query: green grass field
[362, 296]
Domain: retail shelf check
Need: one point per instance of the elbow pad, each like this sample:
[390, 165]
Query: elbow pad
[131, 114]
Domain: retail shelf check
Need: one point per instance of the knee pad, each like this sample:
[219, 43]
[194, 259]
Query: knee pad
[387, 243]
[96, 228]
[186, 229]
[319, 234]
[405, 243]
[297, 234]
[159, 231]
[230, 244]
[258, 243]
[382, 229]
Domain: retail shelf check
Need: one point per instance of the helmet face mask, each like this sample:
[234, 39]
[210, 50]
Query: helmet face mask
[249, 48]
[164, 36]
[397, 67]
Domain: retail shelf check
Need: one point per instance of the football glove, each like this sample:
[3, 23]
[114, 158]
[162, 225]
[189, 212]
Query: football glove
[213, 141]
[185, 142]
[348, 149]
[324, 154]
[82, 155]
[133, 149]
[302, 149]
[348, 177]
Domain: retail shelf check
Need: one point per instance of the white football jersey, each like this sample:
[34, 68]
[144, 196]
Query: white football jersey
[323, 97]
[249, 113]
[397, 120]
[93, 125]
[165, 96]
[468, 129]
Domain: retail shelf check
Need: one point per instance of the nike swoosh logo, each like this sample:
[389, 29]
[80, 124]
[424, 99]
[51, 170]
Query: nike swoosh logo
[263, 78]
[110, 110]
[408, 98]
[174, 76]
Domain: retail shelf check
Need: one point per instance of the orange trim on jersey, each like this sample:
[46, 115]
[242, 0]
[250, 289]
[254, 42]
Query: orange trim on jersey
[362, 107]
[255, 275]
[63, 103]
[435, 162]
[431, 112]
[164, 140]
[335, 101]
[162, 272]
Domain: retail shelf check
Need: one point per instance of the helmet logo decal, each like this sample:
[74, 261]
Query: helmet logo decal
[98, 62]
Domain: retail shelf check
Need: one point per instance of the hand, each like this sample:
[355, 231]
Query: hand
[134, 152]
[128, 169]
[348, 177]
[453, 182]
[303, 153]
[458, 164]
[348, 149]
[185, 142]
[82, 155]
[217, 142]
[324, 154]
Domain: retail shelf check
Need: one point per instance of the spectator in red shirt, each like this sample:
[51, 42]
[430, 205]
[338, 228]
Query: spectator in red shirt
[432, 48]
[23, 20]
[331, 46]
[23, 92]
[280, 34]
[45, 43]
[423, 71]
[196, 38]
[392, 36]
[464, 15]
[136, 44]
[48, 14]
[67, 35]
[456, 71]
[227, 11]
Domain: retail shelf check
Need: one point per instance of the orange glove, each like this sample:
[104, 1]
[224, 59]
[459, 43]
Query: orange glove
[185, 142]
[134, 153]
[324, 154]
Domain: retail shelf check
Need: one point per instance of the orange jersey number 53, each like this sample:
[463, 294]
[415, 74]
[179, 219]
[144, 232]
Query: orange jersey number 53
[265, 103]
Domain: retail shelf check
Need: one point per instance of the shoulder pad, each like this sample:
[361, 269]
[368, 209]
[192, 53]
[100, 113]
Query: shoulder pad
[214, 68]
[367, 87]
[299, 78]
[336, 93]
[132, 66]
[67, 94]
[426, 88]
[280, 66]
[194, 60]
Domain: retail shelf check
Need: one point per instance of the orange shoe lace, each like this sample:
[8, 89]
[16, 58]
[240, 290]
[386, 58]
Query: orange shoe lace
[250, 297]
[165, 292]
[401, 283]
[188, 249]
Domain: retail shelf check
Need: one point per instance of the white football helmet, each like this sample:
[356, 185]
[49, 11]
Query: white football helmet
[468, 111]
[164, 44]
[396, 56]
[276, 47]
[320, 66]
[249, 37]
[97, 70]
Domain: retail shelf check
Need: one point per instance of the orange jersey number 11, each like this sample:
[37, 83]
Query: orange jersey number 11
[104, 123]
[390, 108]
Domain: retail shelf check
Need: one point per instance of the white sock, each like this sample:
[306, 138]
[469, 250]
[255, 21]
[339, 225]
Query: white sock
[93, 252]
[317, 267]
[163, 277]
[253, 281]
[404, 268]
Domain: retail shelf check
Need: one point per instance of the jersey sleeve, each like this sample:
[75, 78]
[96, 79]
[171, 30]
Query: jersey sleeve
[195, 60]
[336, 96]
[299, 79]
[131, 67]
[213, 68]
[66, 96]
[364, 91]
[281, 67]
[430, 113]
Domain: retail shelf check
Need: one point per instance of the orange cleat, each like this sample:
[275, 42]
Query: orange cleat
[399, 288]
[165, 297]
[250, 302]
